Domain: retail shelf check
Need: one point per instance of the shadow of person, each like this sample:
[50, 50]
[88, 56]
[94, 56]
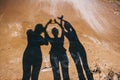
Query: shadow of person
[32, 57]
[58, 54]
[77, 50]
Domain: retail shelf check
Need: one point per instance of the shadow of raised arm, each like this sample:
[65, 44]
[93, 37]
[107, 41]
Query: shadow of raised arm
[46, 26]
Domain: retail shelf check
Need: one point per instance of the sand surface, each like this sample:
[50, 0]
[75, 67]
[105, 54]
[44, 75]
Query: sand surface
[97, 24]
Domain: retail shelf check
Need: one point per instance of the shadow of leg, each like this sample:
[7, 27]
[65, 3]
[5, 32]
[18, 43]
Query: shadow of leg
[64, 64]
[35, 71]
[55, 67]
[78, 66]
[26, 71]
[85, 65]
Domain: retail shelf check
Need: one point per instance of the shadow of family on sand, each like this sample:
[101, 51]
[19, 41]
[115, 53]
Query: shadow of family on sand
[32, 57]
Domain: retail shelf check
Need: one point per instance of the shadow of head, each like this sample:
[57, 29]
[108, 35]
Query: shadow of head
[39, 28]
[55, 32]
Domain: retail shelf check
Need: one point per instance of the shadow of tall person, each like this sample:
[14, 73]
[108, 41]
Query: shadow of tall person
[32, 57]
[77, 50]
[58, 54]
